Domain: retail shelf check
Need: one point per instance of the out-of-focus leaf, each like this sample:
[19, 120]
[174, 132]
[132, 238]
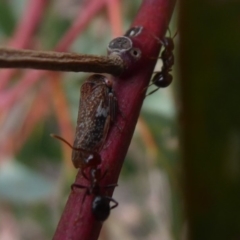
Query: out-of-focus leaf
[160, 103]
[7, 19]
[19, 184]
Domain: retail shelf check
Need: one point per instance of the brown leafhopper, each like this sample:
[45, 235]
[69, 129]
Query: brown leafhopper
[97, 108]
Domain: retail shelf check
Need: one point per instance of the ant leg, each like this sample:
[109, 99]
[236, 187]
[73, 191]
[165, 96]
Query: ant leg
[84, 175]
[103, 175]
[111, 185]
[114, 201]
[145, 89]
[75, 185]
[152, 92]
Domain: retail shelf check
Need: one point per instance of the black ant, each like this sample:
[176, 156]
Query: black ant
[101, 203]
[91, 160]
[163, 78]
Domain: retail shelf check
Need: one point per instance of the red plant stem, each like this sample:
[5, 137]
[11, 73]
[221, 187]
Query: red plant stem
[77, 221]
[24, 31]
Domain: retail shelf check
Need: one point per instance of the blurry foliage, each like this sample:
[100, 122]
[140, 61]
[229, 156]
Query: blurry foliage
[52, 29]
[7, 19]
[44, 147]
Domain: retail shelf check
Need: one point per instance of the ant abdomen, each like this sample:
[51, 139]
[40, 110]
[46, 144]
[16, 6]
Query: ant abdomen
[162, 79]
[100, 208]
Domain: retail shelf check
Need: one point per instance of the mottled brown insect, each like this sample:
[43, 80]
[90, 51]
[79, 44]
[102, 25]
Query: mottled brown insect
[97, 108]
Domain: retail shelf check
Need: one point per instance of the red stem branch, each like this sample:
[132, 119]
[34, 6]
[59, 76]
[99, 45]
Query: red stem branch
[77, 221]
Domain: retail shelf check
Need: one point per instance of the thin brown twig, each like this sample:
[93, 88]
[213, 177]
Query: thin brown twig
[60, 61]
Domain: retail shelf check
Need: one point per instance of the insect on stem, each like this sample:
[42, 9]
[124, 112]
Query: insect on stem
[97, 109]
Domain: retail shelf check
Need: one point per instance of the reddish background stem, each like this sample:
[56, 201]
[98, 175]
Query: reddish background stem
[77, 221]
[22, 37]
[80, 23]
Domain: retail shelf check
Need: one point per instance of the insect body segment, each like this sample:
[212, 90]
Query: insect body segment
[164, 78]
[101, 203]
[97, 109]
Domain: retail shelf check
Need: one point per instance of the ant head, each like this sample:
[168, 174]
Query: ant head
[100, 208]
